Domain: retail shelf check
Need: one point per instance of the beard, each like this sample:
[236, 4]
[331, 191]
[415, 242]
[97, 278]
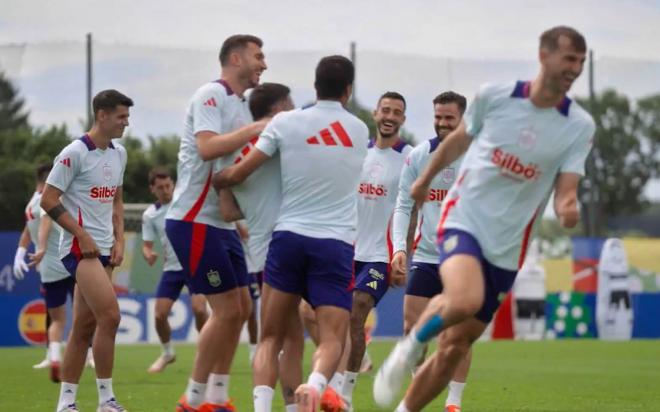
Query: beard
[442, 132]
[395, 131]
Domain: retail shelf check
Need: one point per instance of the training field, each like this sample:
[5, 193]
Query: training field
[547, 376]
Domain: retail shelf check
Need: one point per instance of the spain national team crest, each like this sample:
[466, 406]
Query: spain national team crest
[448, 175]
[527, 138]
[32, 322]
[214, 278]
[107, 172]
[450, 244]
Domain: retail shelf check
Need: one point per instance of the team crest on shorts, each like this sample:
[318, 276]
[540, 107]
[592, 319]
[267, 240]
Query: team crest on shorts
[450, 244]
[107, 172]
[501, 296]
[448, 175]
[214, 278]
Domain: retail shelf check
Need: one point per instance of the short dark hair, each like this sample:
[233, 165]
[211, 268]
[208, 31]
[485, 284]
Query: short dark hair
[108, 100]
[395, 96]
[42, 171]
[550, 38]
[236, 42]
[333, 75]
[451, 97]
[264, 96]
[158, 172]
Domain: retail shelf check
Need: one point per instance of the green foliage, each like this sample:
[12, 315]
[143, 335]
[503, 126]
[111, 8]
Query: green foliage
[12, 115]
[625, 150]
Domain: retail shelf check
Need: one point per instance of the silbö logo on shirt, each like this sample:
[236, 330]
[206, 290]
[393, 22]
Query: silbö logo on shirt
[103, 193]
[512, 166]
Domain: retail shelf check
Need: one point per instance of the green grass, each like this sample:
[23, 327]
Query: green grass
[547, 376]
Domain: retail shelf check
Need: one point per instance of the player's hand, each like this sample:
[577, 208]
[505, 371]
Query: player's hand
[88, 247]
[35, 258]
[150, 257]
[20, 267]
[419, 192]
[399, 268]
[242, 232]
[117, 253]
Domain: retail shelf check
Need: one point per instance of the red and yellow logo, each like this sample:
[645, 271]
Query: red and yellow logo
[32, 322]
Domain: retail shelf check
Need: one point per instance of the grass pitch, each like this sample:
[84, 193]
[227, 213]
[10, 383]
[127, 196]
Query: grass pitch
[548, 376]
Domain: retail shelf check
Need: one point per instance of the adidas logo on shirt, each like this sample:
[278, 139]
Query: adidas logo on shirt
[328, 140]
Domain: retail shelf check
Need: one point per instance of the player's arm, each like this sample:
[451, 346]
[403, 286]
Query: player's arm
[401, 220]
[566, 202]
[117, 251]
[50, 202]
[20, 267]
[212, 145]
[45, 226]
[452, 147]
[148, 235]
[236, 174]
[229, 209]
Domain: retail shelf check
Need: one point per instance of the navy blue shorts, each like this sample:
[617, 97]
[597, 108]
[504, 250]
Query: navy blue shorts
[212, 258]
[256, 279]
[72, 260]
[55, 293]
[170, 284]
[319, 270]
[498, 281]
[372, 278]
[424, 280]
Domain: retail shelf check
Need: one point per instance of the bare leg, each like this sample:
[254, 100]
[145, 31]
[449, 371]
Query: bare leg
[198, 304]
[362, 305]
[434, 375]
[290, 361]
[163, 309]
[413, 307]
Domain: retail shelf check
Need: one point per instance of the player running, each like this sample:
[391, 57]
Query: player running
[377, 194]
[173, 278]
[528, 139]
[424, 280]
[56, 283]
[322, 149]
[218, 123]
[83, 194]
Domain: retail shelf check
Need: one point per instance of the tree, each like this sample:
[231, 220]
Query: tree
[12, 115]
[623, 158]
[22, 150]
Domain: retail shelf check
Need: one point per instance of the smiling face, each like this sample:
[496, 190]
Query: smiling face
[562, 66]
[113, 122]
[252, 63]
[389, 116]
[446, 118]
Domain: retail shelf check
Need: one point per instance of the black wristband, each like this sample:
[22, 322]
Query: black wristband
[56, 212]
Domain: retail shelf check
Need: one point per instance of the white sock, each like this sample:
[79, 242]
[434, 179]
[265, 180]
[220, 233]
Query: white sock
[168, 349]
[337, 381]
[402, 406]
[291, 408]
[55, 351]
[263, 398]
[412, 348]
[217, 389]
[317, 381]
[350, 379]
[104, 387]
[455, 393]
[252, 348]
[195, 393]
[67, 395]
